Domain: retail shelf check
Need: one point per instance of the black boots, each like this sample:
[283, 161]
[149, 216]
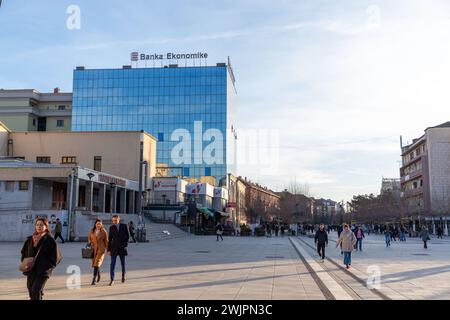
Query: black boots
[96, 277]
[123, 277]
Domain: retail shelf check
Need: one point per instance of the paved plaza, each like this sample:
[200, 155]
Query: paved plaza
[199, 267]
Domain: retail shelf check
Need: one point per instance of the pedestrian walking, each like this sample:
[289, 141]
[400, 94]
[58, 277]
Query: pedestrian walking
[339, 232]
[340, 228]
[98, 239]
[58, 230]
[117, 246]
[387, 237]
[359, 238]
[321, 241]
[40, 256]
[425, 236]
[219, 231]
[439, 232]
[348, 241]
[131, 230]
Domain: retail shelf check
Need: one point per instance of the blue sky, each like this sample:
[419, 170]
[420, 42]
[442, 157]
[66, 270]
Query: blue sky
[340, 81]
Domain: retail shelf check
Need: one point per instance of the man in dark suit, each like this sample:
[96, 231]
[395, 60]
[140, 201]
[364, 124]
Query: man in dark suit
[117, 245]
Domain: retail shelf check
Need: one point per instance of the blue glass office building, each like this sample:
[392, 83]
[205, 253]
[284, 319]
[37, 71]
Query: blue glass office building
[161, 101]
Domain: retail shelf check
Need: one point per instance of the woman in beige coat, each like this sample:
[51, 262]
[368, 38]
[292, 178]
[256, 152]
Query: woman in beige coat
[98, 238]
[348, 241]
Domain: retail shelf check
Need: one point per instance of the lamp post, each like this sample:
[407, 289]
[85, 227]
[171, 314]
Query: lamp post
[164, 206]
[141, 160]
[111, 202]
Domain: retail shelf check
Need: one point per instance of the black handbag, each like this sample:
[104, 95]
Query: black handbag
[87, 252]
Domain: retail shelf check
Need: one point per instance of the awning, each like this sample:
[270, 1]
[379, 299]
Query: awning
[224, 214]
[206, 211]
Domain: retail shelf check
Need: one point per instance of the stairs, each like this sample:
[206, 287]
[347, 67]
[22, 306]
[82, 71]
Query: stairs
[162, 231]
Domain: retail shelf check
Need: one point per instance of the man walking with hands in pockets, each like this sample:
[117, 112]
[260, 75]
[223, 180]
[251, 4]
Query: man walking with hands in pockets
[321, 240]
[117, 245]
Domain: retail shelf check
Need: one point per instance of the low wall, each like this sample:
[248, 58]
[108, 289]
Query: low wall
[18, 225]
[84, 222]
[159, 214]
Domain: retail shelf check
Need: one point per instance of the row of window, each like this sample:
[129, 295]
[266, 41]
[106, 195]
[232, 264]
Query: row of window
[145, 101]
[10, 186]
[150, 72]
[415, 153]
[59, 123]
[209, 120]
[72, 160]
[175, 110]
[149, 82]
[174, 91]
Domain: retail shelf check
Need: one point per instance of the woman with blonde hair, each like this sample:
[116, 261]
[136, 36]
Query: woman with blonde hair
[98, 239]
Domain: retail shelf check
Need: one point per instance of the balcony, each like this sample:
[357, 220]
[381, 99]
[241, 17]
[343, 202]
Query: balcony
[413, 192]
[411, 176]
[415, 159]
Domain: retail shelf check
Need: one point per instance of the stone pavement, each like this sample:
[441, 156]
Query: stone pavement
[408, 271]
[194, 267]
[198, 267]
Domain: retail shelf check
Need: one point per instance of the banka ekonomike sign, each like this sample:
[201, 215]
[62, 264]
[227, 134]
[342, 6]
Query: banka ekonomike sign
[136, 56]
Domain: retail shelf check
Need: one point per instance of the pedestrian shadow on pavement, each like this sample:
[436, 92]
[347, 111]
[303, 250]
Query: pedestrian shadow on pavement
[198, 285]
[414, 274]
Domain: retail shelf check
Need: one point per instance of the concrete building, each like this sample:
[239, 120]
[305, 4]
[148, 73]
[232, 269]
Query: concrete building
[115, 153]
[74, 194]
[63, 174]
[202, 193]
[260, 202]
[30, 110]
[168, 190]
[425, 174]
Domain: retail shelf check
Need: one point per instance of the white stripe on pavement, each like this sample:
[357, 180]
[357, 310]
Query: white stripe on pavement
[338, 292]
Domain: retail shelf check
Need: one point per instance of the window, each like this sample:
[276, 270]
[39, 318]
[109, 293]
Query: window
[186, 172]
[69, 160]
[61, 107]
[9, 186]
[161, 136]
[43, 159]
[208, 171]
[23, 185]
[98, 163]
[60, 123]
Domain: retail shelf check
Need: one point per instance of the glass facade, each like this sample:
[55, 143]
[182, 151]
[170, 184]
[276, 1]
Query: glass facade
[168, 103]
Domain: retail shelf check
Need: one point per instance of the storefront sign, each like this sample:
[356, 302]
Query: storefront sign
[107, 179]
[167, 184]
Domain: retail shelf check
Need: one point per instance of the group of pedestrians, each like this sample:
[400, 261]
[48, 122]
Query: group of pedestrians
[350, 240]
[347, 241]
[40, 253]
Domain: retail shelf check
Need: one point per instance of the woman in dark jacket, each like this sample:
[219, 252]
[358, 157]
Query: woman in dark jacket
[42, 246]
